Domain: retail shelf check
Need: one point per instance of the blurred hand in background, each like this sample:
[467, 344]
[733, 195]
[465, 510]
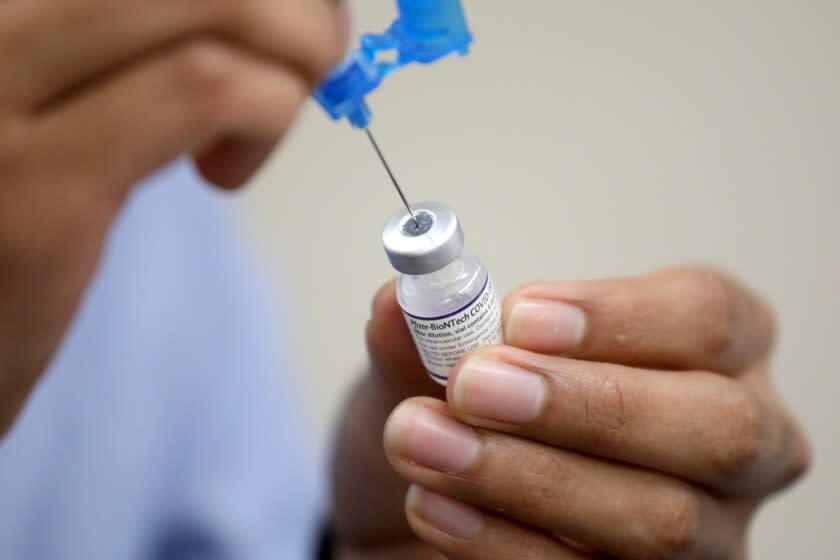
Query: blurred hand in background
[96, 95]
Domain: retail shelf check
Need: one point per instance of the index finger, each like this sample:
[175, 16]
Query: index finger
[679, 318]
[52, 48]
[697, 426]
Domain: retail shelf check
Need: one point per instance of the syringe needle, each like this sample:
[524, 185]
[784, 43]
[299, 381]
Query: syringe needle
[390, 174]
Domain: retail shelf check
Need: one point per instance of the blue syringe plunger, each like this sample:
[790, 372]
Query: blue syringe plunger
[424, 32]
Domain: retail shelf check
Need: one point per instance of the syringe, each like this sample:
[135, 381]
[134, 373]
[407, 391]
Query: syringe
[424, 32]
[447, 297]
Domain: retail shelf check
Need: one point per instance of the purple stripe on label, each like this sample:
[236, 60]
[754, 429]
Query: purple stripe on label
[475, 299]
[433, 375]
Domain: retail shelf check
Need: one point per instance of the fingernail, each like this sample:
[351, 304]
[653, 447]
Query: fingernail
[498, 391]
[459, 520]
[545, 326]
[423, 436]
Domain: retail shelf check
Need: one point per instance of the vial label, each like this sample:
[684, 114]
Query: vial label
[442, 341]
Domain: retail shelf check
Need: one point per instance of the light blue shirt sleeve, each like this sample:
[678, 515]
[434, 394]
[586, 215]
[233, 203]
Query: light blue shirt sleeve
[166, 427]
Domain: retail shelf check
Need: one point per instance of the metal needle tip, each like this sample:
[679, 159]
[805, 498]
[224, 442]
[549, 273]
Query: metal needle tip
[391, 175]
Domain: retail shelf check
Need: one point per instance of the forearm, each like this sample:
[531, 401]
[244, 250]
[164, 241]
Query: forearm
[18, 376]
[24, 357]
[39, 296]
[13, 394]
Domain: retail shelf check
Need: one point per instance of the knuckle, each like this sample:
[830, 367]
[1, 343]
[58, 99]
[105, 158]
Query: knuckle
[802, 460]
[796, 455]
[713, 297]
[605, 410]
[323, 59]
[743, 416]
[327, 51]
[676, 526]
[540, 478]
[533, 496]
[205, 73]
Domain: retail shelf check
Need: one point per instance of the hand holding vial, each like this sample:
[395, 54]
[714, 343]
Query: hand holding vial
[632, 418]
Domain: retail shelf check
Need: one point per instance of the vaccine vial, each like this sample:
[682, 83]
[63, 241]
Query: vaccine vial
[446, 294]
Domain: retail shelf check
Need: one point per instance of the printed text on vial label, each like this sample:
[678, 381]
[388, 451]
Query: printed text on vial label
[442, 342]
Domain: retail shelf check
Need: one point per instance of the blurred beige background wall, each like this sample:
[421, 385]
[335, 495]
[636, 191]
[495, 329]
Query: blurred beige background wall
[589, 139]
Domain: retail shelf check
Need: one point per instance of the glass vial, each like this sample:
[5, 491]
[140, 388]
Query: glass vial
[447, 297]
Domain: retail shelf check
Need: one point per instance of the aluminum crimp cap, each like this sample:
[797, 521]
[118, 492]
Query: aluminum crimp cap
[424, 246]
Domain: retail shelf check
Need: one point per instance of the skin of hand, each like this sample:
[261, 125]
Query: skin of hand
[632, 419]
[95, 95]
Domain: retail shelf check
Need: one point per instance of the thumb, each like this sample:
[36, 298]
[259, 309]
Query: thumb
[395, 364]
[368, 514]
